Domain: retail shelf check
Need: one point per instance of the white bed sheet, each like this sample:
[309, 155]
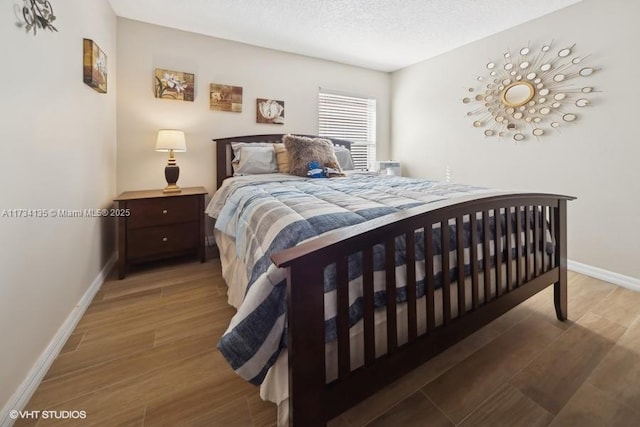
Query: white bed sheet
[234, 271]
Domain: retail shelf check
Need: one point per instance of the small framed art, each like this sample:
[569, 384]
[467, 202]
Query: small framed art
[269, 111]
[94, 66]
[175, 85]
[225, 98]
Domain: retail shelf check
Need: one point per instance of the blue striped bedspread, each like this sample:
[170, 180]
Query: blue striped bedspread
[275, 212]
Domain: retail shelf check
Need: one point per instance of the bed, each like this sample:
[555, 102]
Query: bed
[365, 292]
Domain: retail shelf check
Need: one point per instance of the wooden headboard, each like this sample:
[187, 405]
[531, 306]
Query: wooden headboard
[224, 155]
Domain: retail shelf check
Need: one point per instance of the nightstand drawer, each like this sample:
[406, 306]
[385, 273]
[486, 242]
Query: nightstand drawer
[169, 210]
[168, 239]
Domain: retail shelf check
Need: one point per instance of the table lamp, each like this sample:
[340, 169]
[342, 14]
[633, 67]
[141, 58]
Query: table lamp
[171, 140]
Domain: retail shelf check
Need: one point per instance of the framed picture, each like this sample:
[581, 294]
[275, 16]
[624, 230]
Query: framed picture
[269, 111]
[225, 98]
[94, 66]
[174, 85]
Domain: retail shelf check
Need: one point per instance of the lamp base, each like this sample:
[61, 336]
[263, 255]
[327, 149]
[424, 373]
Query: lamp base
[171, 173]
[172, 189]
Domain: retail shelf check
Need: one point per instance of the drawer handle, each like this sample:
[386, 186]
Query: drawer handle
[165, 239]
[164, 211]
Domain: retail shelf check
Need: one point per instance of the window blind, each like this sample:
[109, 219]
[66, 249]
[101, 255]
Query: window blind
[352, 118]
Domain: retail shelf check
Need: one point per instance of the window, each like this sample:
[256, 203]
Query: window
[352, 118]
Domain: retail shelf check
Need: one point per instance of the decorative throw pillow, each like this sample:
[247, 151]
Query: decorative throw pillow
[282, 158]
[303, 150]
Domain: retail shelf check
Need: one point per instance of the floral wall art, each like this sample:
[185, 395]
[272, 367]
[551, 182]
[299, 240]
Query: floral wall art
[269, 111]
[174, 85]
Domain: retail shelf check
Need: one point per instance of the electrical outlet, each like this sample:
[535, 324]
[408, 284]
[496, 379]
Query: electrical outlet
[447, 173]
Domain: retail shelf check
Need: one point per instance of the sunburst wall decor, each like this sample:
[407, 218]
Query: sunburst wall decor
[530, 93]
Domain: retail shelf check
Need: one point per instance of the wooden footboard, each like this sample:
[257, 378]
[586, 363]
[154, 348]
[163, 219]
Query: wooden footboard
[519, 246]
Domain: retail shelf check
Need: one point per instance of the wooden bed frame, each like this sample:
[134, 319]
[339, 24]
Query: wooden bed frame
[312, 401]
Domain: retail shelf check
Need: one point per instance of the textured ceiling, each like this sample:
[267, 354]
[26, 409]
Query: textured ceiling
[379, 34]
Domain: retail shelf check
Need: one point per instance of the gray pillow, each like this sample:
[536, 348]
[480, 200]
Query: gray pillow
[344, 158]
[237, 146]
[253, 158]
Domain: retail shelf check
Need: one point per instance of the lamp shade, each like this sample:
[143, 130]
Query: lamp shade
[171, 139]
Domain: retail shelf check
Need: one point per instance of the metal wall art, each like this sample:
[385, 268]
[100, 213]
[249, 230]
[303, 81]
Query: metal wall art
[36, 14]
[530, 93]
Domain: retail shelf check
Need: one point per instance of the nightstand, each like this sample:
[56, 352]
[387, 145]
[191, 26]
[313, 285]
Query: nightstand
[157, 225]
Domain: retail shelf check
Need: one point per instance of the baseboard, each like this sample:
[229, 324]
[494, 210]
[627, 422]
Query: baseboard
[24, 392]
[606, 275]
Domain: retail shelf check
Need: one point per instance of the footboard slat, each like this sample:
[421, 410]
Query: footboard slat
[392, 316]
[368, 315]
[411, 285]
[446, 272]
[473, 260]
[537, 243]
[518, 246]
[527, 242]
[552, 228]
[344, 353]
[497, 215]
[486, 256]
[509, 248]
[543, 260]
[460, 267]
[429, 277]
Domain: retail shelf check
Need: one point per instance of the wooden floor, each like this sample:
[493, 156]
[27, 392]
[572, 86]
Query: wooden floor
[144, 354]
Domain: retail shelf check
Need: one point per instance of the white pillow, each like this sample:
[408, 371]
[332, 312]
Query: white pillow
[254, 158]
[344, 158]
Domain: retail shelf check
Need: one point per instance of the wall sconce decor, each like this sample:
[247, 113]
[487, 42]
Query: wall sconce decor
[37, 14]
[529, 93]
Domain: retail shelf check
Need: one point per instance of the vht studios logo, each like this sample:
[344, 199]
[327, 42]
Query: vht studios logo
[52, 415]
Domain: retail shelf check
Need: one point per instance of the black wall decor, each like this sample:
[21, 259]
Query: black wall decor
[38, 14]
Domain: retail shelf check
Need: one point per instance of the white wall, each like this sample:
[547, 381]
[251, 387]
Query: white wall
[595, 160]
[263, 73]
[58, 146]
